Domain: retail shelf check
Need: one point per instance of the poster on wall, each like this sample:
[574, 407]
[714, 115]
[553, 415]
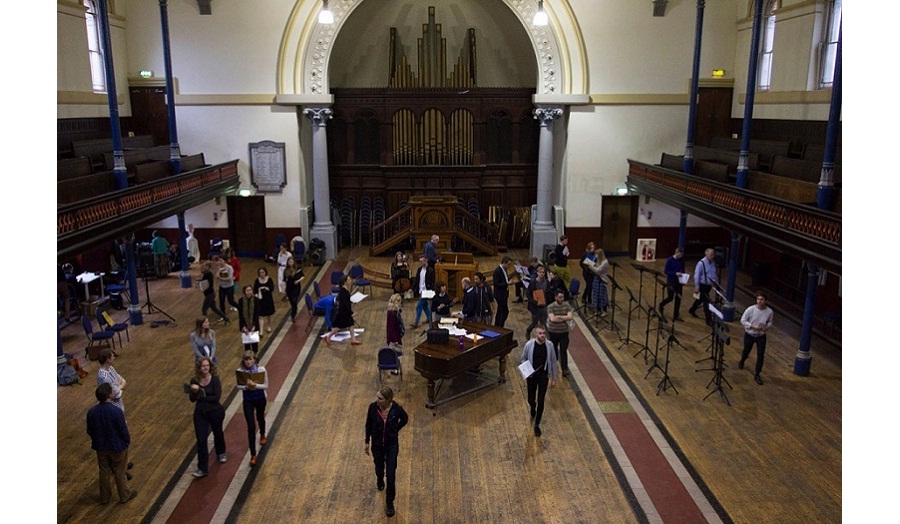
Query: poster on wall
[646, 249]
[267, 171]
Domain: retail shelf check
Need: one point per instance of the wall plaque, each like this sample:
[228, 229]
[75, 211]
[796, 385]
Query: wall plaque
[267, 171]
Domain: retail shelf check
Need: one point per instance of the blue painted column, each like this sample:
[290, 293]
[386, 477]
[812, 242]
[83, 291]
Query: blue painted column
[112, 98]
[827, 192]
[743, 161]
[695, 93]
[175, 149]
[728, 308]
[826, 198]
[134, 309]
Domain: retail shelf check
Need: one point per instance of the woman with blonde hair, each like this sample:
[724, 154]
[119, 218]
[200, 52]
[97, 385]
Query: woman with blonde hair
[254, 394]
[395, 327]
[600, 293]
[203, 340]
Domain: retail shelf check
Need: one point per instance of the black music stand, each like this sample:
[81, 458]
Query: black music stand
[630, 309]
[151, 309]
[641, 269]
[612, 306]
[717, 320]
[660, 322]
[721, 340]
[612, 277]
[666, 382]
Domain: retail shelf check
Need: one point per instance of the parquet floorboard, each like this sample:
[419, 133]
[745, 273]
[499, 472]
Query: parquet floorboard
[774, 455]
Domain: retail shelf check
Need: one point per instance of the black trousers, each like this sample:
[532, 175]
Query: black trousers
[209, 302]
[226, 293]
[255, 412]
[561, 346]
[537, 390]
[704, 302]
[673, 292]
[760, 342]
[204, 422]
[502, 312]
[386, 463]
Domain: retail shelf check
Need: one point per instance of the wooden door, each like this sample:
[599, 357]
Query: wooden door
[713, 114]
[619, 223]
[247, 225]
[149, 114]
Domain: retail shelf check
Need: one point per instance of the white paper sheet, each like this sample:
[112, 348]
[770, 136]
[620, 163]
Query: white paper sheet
[357, 297]
[525, 369]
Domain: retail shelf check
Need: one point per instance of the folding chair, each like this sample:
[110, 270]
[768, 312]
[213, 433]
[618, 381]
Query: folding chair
[388, 360]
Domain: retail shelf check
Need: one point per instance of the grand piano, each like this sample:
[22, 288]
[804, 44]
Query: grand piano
[439, 362]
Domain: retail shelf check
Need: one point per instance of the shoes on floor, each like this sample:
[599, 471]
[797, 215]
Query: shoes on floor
[220, 320]
[537, 431]
[327, 342]
[232, 308]
[380, 484]
[758, 379]
[693, 313]
[533, 413]
[133, 494]
[130, 465]
[223, 458]
[262, 440]
[565, 372]
[268, 329]
[253, 461]
[415, 324]
[128, 476]
[389, 510]
[199, 474]
[355, 343]
[741, 364]
[677, 319]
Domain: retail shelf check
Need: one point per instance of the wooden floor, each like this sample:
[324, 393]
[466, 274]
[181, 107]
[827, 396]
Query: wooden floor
[772, 455]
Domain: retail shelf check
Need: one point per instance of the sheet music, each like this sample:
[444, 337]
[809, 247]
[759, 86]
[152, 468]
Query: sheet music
[526, 369]
[428, 293]
[357, 297]
[684, 278]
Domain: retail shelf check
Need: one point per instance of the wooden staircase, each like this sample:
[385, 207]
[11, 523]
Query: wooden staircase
[426, 216]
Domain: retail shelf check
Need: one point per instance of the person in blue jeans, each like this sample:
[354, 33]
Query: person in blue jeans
[423, 281]
[384, 420]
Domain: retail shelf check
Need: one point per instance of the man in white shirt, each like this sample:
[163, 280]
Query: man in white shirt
[757, 319]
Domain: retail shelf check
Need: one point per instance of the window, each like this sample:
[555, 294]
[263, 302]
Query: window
[95, 50]
[764, 74]
[828, 50]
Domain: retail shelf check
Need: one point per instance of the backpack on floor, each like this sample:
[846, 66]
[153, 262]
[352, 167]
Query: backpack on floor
[66, 374]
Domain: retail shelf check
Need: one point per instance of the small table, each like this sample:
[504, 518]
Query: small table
[86, 278]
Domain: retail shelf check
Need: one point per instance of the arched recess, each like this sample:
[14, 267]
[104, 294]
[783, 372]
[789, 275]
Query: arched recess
[306, 47]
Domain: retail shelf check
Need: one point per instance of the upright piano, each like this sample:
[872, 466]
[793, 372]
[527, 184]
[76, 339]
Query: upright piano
[438, 362]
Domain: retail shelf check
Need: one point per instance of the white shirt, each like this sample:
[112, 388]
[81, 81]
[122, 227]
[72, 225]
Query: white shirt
[754, 316]
[422, 287]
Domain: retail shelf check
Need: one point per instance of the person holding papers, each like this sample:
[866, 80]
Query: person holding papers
[440, 304]
[255, 382]
[344, 316]
[423, 283]
[540, 354]
[537, 299]
[264, 288]
[674, 270]
[705, 277]
[599, 291]
[209, 414]
[248, 318]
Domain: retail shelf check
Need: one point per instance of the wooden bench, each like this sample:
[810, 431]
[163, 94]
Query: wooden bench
[767, 149]
[816, 153]
[151, 171]
[84, 187]
[95, 149]
[73, 167]
[715, 171]
[802, 169]
[731, 158]
[192, 162]
[138, 156]
[673, 162]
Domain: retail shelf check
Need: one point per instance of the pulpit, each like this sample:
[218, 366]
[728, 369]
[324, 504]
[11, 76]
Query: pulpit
[452, 268]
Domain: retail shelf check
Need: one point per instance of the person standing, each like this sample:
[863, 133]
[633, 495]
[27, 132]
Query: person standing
[483, 299]
[248, 316]
[281, 260]
[430, 250]
[440, 304]
[757, 319]
[469, 301]
[501, 291]
[203, 340]
[587, 262]
[424, 281]
[704, 280]
[384, 420]
[160, 247]
[235, 264]
[400, 278]
[562, 260]
[205, 282]
[254, 395]
[226, 284]
[264, 289]
[673, 270]
[537, 299]
[293, 276]
[106, 373]
[394, 326]
[209, 414]
[110, 439]
[600, 291]
[344, 317]
[542, 355]
[560, 317]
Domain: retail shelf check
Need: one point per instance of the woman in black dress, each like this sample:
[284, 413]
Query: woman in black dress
[292, 276]
[264, 289]
[343, 314]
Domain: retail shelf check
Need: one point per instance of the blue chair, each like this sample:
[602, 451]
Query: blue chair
[359, 280]
[336, 280]
[388, 360]
[96, 336]
[313, 313]
[108, 324]
[317, 289]
[299, 250]
[574, 287]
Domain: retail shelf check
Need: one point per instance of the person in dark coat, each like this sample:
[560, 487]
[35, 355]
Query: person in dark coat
[501, 291]
[343, 314]
[110, 439]
[384, 420]
[248, 316]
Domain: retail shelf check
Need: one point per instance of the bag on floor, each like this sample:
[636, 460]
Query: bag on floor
[66, 375]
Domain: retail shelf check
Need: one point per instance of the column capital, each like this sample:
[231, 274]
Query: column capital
[546, 115]
[318, 115]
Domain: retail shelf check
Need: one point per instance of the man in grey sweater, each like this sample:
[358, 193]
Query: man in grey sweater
[757, 319]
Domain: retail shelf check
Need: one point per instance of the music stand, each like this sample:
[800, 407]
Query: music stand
[641, 269]
[612, 306]
[612, 277]
[660, 321]
[721, 340]
[666, 382]
[630, 309]
[151, 309]
[718, 319]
